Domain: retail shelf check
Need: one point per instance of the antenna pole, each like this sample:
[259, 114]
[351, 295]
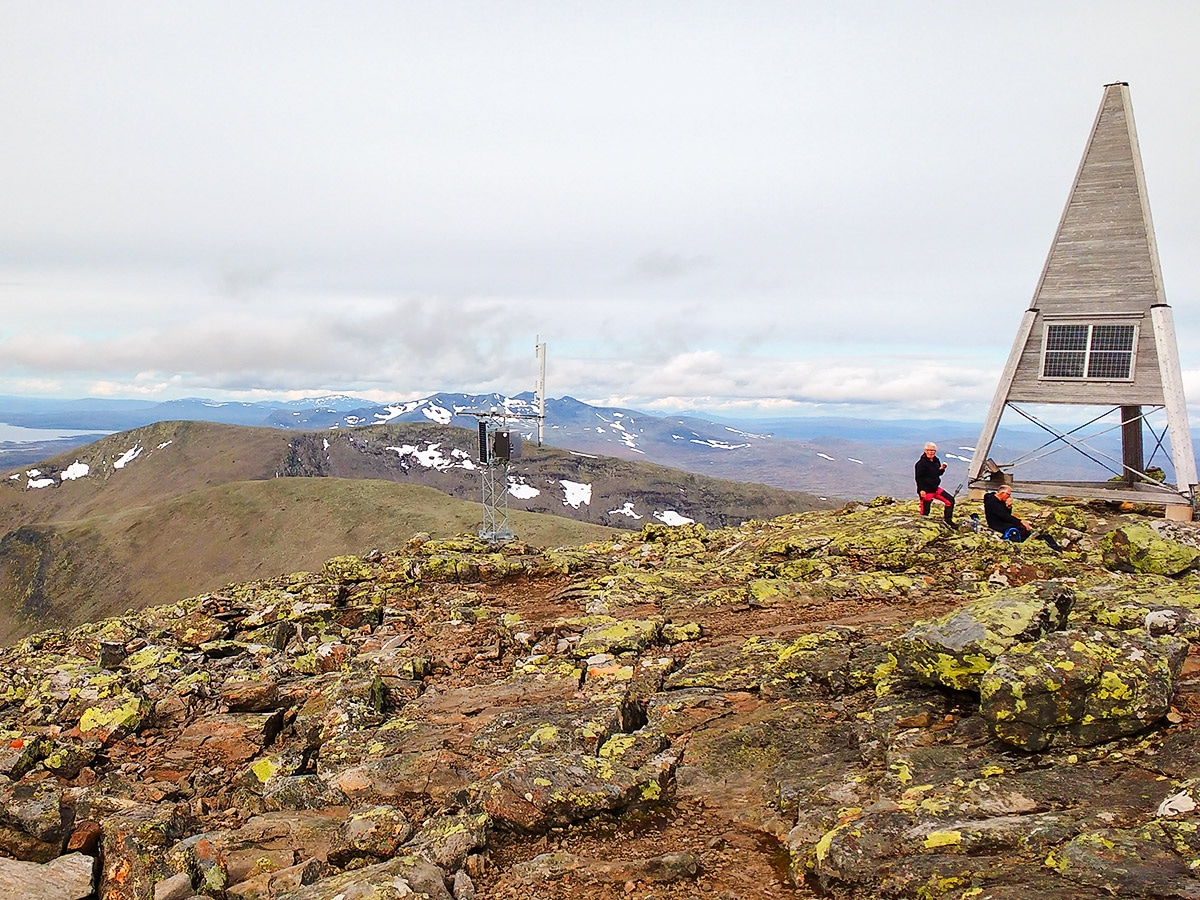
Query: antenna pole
[539, 350]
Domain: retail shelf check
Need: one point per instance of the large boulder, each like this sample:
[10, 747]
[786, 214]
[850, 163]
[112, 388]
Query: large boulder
[553, 790]
[1139, 548]
[401, 876]
[1080, 687]
[373, 834]
[955, 650]
[134, 850]
[1146, 861]
[69, 877]
[884, 539]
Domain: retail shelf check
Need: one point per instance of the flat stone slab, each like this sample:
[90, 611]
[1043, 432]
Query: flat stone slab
[69, 877]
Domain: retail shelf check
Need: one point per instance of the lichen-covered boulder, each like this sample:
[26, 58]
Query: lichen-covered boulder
[730, 666]
[553, 790]
[818, 659]
[373, 834]
[204, 862]
[1128, 862]
[21, 754]
[400, 877]
[34, 821]
[1068, 517]
[112, 718]
[449, 839]
[1080, 687]
[249, 691]
[1139, 548]
[884, 539]
[134, 850]
[66, 759]
[301, 792]
[955, 650]
[617, 636]
[680, 633]
[349, 569]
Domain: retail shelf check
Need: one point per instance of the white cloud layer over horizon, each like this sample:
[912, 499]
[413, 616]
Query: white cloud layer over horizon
[752, 209]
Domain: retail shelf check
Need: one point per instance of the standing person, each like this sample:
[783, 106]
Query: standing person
[928, 472]
[997, 509]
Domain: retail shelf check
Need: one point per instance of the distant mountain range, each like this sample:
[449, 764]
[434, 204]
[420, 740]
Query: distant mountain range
[831, 457]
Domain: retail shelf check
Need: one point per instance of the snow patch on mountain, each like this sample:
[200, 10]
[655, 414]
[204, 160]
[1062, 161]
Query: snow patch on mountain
[748, 434]
[128, 456]
[75, 470]
[522, 491]
[670, 517]
[626, 510]
[576, 494]
[433, 458]
[36, 480]
[438, 414]
[392, 412]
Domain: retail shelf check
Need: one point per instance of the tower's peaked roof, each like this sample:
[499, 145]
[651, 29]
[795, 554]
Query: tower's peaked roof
[1102, 270]
[1104, 258]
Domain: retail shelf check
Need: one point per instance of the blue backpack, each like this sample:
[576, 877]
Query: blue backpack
[1013, 534]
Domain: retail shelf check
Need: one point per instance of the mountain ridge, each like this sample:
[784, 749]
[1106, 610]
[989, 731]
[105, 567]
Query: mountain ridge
[831, 457]
[140, 516]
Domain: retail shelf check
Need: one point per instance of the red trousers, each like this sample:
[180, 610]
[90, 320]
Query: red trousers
[940, 496]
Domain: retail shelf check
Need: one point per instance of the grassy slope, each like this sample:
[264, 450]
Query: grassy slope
[171, 524]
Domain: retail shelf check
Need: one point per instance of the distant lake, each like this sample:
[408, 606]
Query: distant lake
[19, 435]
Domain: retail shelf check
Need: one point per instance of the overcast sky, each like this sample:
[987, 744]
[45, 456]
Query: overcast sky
[742, 207]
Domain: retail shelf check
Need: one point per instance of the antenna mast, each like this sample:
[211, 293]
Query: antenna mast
[539, 391]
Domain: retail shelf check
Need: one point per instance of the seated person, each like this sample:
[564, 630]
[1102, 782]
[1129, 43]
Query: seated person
[997, 509]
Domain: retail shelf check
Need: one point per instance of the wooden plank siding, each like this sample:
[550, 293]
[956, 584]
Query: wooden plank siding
[1102, 267]
[1144, 390]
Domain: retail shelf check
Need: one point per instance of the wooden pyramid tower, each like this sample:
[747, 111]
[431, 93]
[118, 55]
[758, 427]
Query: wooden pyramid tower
[1098, 331]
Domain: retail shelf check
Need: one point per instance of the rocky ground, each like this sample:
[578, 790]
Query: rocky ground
[851, 703]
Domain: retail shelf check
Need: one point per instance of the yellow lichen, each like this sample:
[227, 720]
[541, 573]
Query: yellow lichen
[942, 839]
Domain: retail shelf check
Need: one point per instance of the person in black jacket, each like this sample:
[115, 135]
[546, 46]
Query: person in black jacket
[928, 472]
[997, 509]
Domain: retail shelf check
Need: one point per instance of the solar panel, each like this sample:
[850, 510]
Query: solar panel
[1099, 352]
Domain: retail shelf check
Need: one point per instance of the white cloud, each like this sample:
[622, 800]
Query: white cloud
[393, 199]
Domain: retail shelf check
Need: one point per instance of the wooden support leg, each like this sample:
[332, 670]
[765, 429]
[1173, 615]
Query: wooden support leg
[1131, 442]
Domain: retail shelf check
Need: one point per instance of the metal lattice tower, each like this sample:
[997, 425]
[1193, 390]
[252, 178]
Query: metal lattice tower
[494, 479]
[497, 447]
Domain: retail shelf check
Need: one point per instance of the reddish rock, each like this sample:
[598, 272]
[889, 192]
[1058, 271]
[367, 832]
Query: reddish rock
[251, 695]
[85, 837]
[134, 850]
